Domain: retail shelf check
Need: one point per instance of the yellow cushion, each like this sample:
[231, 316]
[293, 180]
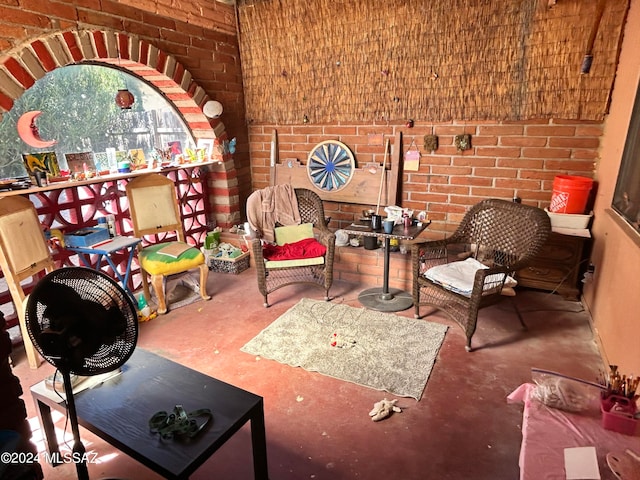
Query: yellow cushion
[293, 233]
[301, 262]
[155, 263]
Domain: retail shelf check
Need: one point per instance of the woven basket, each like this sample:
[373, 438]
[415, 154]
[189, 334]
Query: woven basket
[229, 265]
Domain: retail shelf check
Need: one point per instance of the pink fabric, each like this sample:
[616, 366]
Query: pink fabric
[305, 248]
[546, 432]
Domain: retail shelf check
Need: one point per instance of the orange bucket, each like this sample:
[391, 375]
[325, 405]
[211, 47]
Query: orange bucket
[570, 194]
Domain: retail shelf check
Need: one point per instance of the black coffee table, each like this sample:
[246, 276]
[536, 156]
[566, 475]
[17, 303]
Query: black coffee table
[118, 411]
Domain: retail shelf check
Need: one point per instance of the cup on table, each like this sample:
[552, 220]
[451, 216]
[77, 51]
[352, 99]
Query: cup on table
[376, 222]
[388, 225]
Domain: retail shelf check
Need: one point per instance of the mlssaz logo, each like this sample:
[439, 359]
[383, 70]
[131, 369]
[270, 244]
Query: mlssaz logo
[57, 458]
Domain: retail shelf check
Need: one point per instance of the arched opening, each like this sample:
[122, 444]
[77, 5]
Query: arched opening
[32, 61]
[83, 132]
[21, 68]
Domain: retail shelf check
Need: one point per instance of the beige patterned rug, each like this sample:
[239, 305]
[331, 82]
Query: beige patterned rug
[374, 349]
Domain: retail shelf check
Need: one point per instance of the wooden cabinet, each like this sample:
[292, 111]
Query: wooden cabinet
[557, 266]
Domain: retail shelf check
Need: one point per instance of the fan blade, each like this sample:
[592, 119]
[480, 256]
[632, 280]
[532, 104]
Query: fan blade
[82, 321]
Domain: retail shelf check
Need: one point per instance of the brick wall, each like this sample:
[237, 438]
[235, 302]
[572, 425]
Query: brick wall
[190, 54]
[507, 160]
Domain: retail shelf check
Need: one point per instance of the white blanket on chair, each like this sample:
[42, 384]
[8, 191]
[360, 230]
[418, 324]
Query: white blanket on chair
[459, 277]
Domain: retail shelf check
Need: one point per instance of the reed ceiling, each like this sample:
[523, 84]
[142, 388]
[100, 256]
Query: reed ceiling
[341, 61]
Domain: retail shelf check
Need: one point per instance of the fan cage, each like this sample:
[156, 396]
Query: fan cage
[97, 287]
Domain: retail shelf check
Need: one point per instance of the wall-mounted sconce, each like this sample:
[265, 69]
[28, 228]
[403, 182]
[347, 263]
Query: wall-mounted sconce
[462, 142]
[212, 109]
[430, 143]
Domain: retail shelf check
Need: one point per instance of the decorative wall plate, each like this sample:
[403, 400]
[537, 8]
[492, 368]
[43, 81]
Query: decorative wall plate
[330, 166]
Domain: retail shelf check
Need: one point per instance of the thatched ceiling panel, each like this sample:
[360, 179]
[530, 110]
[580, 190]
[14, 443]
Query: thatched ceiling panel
[340, 61]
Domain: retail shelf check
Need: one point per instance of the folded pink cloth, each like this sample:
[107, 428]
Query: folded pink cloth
[547, 431]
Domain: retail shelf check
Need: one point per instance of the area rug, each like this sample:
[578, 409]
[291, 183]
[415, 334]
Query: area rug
[374, 349]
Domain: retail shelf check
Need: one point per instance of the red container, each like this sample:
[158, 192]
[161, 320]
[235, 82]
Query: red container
[618, 414]
[570, 194]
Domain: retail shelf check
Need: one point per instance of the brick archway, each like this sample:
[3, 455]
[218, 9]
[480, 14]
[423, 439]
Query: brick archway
[20, 70]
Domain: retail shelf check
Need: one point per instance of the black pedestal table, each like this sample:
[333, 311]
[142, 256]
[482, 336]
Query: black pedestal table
[386, 299]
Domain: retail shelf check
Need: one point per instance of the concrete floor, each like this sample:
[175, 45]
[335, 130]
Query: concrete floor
[319, 428]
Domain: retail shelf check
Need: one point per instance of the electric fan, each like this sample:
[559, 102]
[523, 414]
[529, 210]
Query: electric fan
[82, 322]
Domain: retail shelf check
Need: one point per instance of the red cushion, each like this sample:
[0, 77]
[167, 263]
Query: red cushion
[305, 248]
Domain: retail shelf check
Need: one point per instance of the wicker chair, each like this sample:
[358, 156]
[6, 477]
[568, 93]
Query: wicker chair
[271, 278]
[503, 236]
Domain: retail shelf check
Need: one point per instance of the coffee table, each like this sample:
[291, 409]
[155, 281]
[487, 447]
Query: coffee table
[386, 299]
[118, 411]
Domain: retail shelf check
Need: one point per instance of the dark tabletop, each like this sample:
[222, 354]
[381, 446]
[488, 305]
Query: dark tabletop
[119, 411]
[399, 231]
